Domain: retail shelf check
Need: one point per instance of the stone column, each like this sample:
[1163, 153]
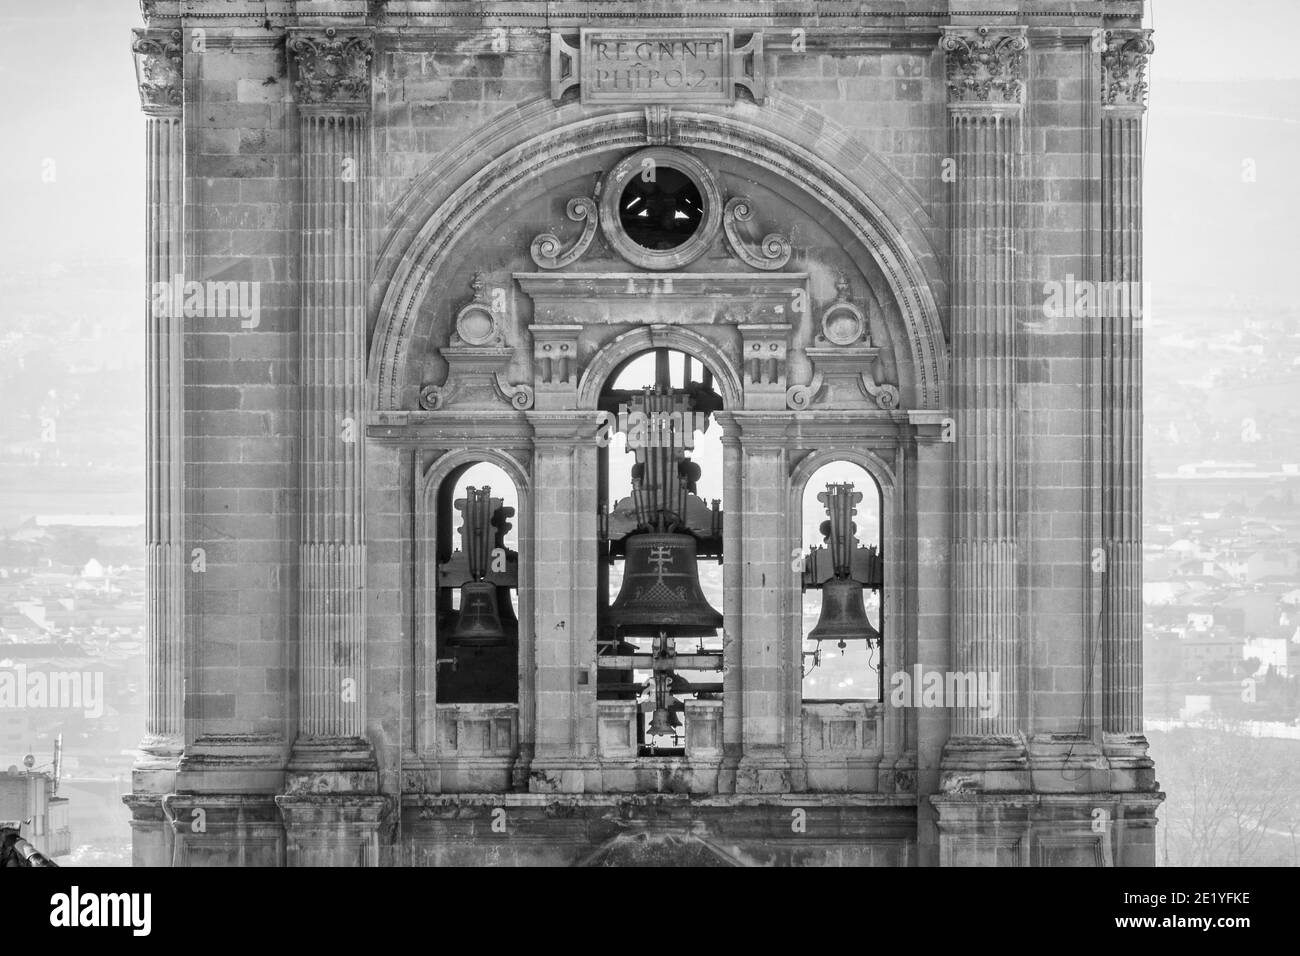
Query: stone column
[159, 68]
[332, 88]
[1124, 87]
[985, 96]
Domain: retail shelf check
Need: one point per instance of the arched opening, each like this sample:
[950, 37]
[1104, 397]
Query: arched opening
[477, 581]
[843, 582]
[659, 584]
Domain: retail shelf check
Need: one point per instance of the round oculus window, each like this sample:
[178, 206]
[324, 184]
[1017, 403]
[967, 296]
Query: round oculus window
[660, 208]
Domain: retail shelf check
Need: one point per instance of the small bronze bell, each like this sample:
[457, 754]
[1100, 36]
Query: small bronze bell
[661, 590]
[664, 721]
[844, 615]
[480, 622]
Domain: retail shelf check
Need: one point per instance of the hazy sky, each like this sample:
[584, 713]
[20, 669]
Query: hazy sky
[1217, 40]
[70, 97]
[71, 100]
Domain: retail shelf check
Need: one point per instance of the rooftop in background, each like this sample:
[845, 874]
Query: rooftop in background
[88, 521]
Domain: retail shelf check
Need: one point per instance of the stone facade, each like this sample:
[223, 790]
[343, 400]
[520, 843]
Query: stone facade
[385, 244]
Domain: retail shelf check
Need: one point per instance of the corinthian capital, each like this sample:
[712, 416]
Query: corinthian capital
[333, 70]
[159, 69]
[985, 67]
[1124, 67]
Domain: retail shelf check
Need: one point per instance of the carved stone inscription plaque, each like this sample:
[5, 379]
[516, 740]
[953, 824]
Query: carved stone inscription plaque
[656, 66]
[674, 66]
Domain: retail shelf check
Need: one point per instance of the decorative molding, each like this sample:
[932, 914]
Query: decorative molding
[764, 350]
[520, 396]
[984, 67]
[476, 379]
[1124, 68]
[886, 396]
[333, 70]
[159, 68]
[564, 67]
[658, 125]
[747, 67]
[476, 324]
[772, 253]
[839, 380]
[477, 358]
[555, 355]
[546, 248]
[800, 397]
[431, 397]
[842, 322]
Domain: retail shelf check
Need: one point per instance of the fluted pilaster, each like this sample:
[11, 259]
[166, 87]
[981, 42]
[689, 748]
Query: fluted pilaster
[333, 90]
[158, 58]
[1123, 61]
[985, 92]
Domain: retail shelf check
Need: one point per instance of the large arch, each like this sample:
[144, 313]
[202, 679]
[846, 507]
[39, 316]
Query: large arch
[898, 244]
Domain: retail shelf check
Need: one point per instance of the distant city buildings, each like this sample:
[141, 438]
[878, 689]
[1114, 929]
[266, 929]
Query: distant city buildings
[71, 664]
[1222, 507]
[30, 806]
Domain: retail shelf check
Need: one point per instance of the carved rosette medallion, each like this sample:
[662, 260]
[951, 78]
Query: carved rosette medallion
[333, 70]
[1124, 68]
[159, 70]
[985, 67]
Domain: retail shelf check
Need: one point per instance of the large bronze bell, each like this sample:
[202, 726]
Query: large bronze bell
[844, 615]
[480, 622]
[661, 590]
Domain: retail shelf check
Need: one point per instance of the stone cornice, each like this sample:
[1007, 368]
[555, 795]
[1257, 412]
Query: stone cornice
[332, 68]
[159, 70]
[402, 12]
[985, 65]
[1124, 68]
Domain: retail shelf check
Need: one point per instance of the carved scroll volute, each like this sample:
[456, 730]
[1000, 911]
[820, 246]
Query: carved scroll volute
[800, 397]
[159, 67]
[772, 253]
[547, 250]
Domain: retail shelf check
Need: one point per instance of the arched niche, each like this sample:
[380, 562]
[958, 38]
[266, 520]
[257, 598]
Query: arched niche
[436, 538]
[879, 722]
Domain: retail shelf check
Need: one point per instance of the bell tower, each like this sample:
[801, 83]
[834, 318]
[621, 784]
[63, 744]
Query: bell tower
[656, 442]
